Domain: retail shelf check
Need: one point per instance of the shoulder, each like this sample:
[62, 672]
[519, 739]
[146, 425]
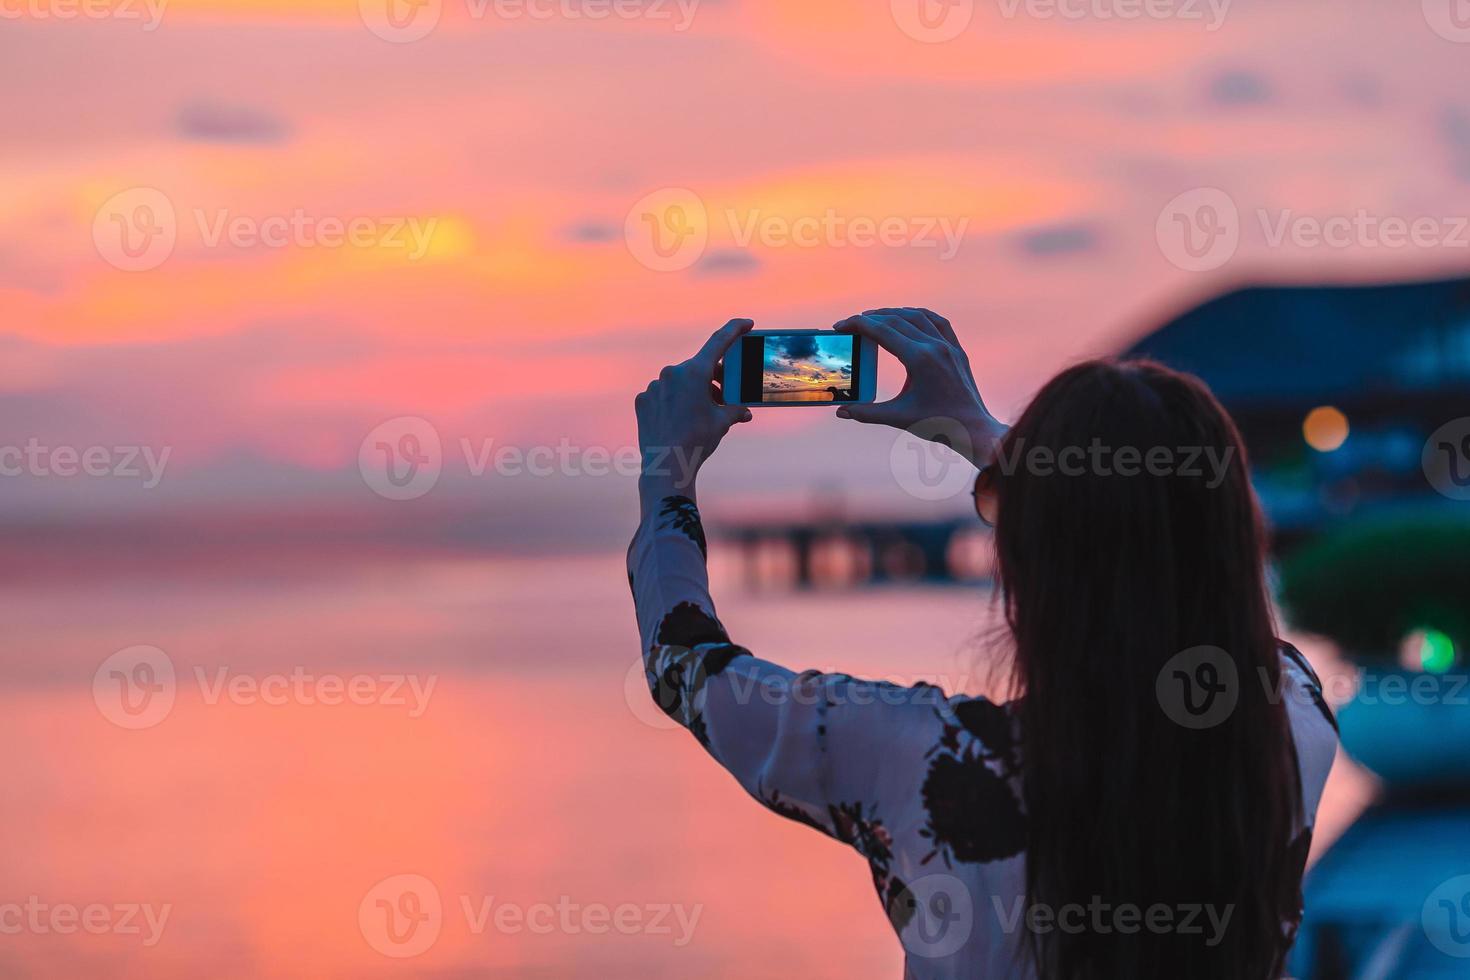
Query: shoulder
[1313, 725]
[1298, 677]
[994, 727]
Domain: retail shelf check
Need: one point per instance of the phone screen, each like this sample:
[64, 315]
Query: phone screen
[799, 367]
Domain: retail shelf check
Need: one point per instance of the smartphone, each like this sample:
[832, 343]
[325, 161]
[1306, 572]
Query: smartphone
[801, 367]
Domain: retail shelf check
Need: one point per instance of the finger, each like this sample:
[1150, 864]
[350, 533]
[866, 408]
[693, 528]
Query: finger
[873, 413]
[911, 318]
[733, 415]
[945, 329]
[919, 333]
[883, 333]
[928, 321]
[714, 349]
[940, 329]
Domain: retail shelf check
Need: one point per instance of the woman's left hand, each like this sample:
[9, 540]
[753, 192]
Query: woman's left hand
[682, 418]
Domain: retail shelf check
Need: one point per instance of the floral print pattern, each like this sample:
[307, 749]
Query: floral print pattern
[683, 517]
[960, 787]
[916, 782]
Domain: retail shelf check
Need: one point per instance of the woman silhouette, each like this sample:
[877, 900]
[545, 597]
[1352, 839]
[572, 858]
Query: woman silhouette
[1141, 806]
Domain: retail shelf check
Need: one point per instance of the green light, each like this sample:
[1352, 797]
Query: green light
[1436, 652]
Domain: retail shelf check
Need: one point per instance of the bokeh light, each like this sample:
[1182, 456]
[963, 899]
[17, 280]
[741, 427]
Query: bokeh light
[1325, 429]
[1436, 652]
[1430, 650]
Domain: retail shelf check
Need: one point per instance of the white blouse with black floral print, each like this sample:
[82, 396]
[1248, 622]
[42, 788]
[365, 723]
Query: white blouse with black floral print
[924, 786]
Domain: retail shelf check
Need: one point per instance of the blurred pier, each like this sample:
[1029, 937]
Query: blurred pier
[841, 553]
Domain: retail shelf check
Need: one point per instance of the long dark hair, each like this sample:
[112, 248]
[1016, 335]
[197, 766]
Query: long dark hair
[1105, 578]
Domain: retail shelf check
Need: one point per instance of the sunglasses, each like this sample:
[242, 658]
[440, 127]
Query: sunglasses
[987, 494]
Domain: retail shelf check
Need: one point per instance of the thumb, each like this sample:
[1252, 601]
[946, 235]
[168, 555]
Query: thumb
[877, 413]
[735, 414]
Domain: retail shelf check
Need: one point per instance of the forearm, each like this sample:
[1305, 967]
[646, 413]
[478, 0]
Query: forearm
[666, 571]
[655, 488]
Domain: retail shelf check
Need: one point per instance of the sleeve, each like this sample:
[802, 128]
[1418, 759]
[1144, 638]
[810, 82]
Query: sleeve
[808, 746]
[1313, 727]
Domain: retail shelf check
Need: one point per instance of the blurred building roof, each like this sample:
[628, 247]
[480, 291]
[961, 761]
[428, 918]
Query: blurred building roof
[1302, 345]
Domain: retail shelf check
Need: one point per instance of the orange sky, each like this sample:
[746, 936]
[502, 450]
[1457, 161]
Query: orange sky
[353, 228]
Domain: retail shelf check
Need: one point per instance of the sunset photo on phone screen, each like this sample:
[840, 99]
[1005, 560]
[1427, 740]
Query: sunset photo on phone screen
[808, 368]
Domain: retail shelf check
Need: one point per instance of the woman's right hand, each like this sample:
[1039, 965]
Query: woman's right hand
[940, 400]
